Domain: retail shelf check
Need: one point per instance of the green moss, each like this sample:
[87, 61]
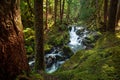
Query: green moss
[36, 76]
[100, 63]
[65, 75]
[57, 36]
[118, 34]
[32, 76]
[29, 40]
[47, 48]
[67, 51]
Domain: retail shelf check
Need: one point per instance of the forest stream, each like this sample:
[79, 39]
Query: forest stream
[78, 39]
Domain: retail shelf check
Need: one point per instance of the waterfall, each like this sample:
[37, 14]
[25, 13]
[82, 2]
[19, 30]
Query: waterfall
[76, 40]
[55, 58]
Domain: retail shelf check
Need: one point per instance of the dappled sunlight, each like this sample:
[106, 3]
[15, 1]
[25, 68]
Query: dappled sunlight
[64, 40]
[119, 23]
[50, 24]
[118, 34]
[118, 29]
[118, 26]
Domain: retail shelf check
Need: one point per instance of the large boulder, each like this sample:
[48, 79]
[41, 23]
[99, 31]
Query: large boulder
[70, 28]
[80, 31]
[50, 61]
[91, 39]
[67, 51]
[96, 35]
[87, 41]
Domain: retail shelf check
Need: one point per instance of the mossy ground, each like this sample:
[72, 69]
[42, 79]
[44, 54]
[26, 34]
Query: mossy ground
[37, 76]
[32, 76]
[100, 63]
[57, 36]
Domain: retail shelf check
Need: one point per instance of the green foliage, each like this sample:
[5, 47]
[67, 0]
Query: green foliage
[27, 14]
[22, 77]
[47, 47]
[29, 40]
[32, 76]
[87, 10]
[101, 63]
[58, 36]
[36, 76]
[67, 51]
[116, 61]
[118, 34]
[64, 75]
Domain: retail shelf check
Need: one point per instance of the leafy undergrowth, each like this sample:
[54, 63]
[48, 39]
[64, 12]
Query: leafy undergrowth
[100, 63]
[33, 76]
[37, 76]
[56, 36]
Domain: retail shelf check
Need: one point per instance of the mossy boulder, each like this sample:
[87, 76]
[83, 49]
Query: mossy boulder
[67, 51]
[100, 63]
[86, 41]
[32, 76]
[47, 48]
[63, 27]
[70, 28]
[58, 39]
[90, 40]
[80, 32]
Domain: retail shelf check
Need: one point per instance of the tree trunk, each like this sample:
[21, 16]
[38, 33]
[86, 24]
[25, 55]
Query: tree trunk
[39, 35]
[98, 14]
[46, 15]
[55, 11]
[62, 10]
[62, 3]
[112, 16]
[50, 7]
[105, 12]
[29, 6]
[118, 13]
[13, 60]
[68, 11]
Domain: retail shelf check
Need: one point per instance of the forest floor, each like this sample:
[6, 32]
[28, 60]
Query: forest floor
[50, 77]
[99, 63]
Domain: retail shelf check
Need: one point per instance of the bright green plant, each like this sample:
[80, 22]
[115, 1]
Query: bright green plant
[29, 40]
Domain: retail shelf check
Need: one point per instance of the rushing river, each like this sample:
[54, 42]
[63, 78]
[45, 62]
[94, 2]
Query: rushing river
[76, 40]
[56, 57]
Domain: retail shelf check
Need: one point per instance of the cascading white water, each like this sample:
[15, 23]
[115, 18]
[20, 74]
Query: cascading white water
[55, 58]
[73, 37]
[52, 60]
[75, 44]
[54, 67]
[75, 40]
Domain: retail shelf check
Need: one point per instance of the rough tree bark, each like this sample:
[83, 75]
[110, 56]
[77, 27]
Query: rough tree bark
[13, 60]
[118, 13]
[62, 10]
[50, 7]
[112, 16]
[62, 3]
[39, 34]
[46, 15]
[105, 12]
[68, 10]
[55, 11]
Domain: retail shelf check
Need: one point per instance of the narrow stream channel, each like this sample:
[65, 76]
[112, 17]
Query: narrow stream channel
[55, 58]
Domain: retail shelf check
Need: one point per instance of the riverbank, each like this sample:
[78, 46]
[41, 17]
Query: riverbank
[100, 63]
